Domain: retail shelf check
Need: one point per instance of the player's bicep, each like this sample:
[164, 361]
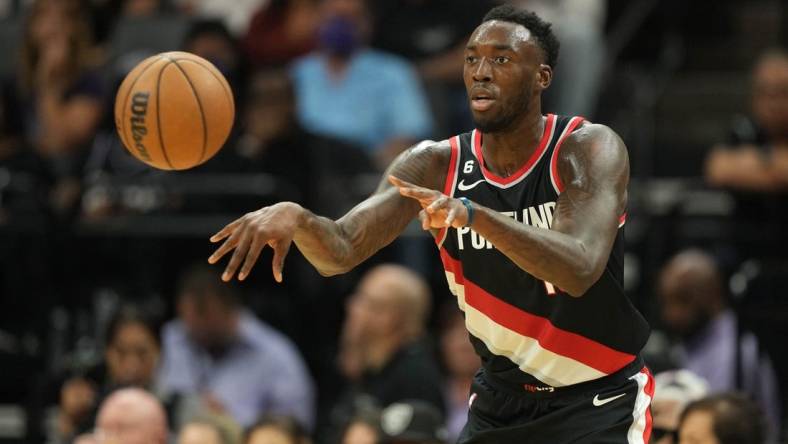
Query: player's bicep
[594, 166]
[379, 219]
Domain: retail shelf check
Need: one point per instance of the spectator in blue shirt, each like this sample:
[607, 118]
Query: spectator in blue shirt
[361, 95]
[221, 357]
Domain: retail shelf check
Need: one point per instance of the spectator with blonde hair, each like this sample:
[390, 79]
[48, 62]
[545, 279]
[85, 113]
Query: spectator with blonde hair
[210, 429]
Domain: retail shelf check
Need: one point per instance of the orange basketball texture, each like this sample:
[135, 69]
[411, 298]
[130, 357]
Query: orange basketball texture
[174, 111]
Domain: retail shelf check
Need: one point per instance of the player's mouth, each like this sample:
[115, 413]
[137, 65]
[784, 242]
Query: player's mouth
[482, 102]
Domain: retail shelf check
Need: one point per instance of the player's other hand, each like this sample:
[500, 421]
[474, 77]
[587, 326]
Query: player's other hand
[274, 226]
[437, 209]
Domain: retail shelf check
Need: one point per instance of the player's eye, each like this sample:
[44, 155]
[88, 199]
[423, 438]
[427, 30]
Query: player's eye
[470, 59]
[501, 60]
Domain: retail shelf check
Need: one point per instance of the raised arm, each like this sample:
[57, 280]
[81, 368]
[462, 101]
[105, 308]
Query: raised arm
[333, 247]
[594, 166]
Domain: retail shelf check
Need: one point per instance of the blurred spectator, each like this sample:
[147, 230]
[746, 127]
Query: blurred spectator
[281, 31]
[131, 358]
[756, 157]
[277, 430]
[210, 429]
[234, 13]
[60, 92]
[131, 416]
[222, 358]
[363, 428]
[579, 26]
[711, 341]
[723, 419]
[674, 390]
[140, 8]
[412, 422]
[358, 94]
[272, 141]
[461, 363]
[211, 40]
[432, 35]
[383, 349]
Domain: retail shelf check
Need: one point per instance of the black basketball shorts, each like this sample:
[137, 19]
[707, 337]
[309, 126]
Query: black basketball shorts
[613, 409]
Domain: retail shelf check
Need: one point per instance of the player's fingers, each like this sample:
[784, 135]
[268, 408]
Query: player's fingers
[226, 231]
[423, 195]
[228, 245]
[438, 204]
[257, 245]
[397, 182]
[425, 220]
[451, 216]
[281, 248]
[239, 253]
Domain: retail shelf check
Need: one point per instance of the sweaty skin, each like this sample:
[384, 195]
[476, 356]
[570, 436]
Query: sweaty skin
[505, 74]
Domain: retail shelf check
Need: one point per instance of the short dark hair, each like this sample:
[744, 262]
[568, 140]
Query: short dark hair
[201, 282]
[735, 418]
[539, 28]
[131, 314]
[208, 27]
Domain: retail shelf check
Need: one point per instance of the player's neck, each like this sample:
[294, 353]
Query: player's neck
[506, 151]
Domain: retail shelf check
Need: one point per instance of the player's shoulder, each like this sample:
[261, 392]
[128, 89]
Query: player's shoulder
[425, 163]
[594, 139]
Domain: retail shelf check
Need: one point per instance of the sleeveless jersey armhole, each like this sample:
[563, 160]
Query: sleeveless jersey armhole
[451, 182]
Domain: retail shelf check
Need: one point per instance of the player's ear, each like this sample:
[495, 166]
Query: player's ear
[544, 76]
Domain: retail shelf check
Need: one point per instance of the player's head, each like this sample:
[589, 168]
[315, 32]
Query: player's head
[208, 308]
[509, 61]
[131, 416]
[691, 292]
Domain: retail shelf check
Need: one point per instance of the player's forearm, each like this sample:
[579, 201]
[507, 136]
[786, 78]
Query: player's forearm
[336, 247]
[324, 244]
[548, 255]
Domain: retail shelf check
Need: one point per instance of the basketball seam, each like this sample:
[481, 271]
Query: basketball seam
[202, 112]
[208, 68]
[126, 101]
[158, 113]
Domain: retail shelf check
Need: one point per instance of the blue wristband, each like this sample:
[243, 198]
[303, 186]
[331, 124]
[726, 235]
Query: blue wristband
[469, 209]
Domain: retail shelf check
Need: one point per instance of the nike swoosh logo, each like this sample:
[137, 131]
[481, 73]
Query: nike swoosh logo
[462, 187]
[600, 402]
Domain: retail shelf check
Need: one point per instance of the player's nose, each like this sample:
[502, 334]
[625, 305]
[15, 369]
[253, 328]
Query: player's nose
[483, 71]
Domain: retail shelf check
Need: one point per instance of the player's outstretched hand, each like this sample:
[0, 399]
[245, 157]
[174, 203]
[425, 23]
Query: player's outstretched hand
[274, 226]
[437, 209]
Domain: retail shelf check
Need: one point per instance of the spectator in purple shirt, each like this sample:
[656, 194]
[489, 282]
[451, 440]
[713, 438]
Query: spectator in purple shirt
[711, 342]
[220, 357]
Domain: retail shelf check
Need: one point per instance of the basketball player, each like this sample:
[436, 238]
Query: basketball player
[527, 211]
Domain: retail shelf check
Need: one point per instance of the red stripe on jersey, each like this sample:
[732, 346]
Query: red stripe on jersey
[649, 390]
[550, 337]
[455, 153]
[554, 159]
[622, 220]
[449, 184]
[526, 168]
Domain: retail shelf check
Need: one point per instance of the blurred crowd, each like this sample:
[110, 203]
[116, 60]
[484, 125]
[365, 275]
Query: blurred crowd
[109, 332]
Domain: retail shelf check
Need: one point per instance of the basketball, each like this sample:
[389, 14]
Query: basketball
[174, 111]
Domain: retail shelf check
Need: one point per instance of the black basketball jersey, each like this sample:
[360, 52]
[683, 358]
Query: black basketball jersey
[528, 331]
